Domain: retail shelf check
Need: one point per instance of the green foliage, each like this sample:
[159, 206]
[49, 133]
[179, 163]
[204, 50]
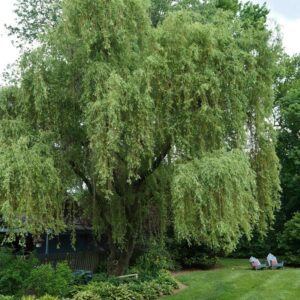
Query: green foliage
[20, 275]
[258, 245]
[185, 255]
[201, 261]
[159, 10]
[290, 240]
[220, 190]
[13, 272]
[234, 280]
[288, 148]
[163, 284]
[150, 289]
[197, 259]
[232, 5]
[107, 290]
[45, 279]
[154, 259]
[86, 295]
[46, 297]
[286, 117]
[111, 106]
[166, 278]
[29, 186]
[6, 297]
[43, 15]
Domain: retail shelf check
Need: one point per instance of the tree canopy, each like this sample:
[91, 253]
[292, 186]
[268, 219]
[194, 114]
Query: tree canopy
[127, 117]
[288, 148]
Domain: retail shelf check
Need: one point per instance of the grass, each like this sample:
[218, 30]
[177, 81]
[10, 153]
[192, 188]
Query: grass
[235, 280]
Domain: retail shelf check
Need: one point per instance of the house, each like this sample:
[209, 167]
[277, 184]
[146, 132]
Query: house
[83, 255]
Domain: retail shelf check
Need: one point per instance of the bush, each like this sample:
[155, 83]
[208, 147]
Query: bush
[46, 297]
[6, 258]
[163, 284]
[25, 275]
[258, 246]
[86, 295]
[108, 290]
[6, 297]
[13, 271]
[63, 279]
[200, 260]
[290, 241]
[166, 278]
[146, 289]
[191, 256]
[155, 259]
[48, 280]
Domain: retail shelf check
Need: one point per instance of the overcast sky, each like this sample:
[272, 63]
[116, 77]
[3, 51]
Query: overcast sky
[285, 12]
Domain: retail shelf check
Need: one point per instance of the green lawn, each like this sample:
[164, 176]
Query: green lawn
[235, 280]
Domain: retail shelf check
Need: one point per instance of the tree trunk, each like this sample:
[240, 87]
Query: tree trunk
[119, 258]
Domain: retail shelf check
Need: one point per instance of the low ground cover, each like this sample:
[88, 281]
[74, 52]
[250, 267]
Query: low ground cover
[27, 279]
[234, 280]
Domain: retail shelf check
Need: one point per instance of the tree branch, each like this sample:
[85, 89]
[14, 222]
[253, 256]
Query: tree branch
[80, 174]
[155, 165]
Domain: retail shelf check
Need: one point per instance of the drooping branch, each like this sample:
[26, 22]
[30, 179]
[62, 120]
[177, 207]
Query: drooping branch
[80, 174]
[156, 163]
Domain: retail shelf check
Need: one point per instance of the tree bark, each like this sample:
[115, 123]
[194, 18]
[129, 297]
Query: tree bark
[119, 258]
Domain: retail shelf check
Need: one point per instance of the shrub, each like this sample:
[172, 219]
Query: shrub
[86, 295]
[48, 280]
[191, 256]
[290, 240]
[100, 277]
[40, 280]
[46, 297]
[152, 261]
[25, 275]
[2, 297]
[108, 290]
[63, 279]
[163, 284]
[166, 278]
[13, 271]
[258, 245]
[6, 258]
[200, 260]
[145, 289]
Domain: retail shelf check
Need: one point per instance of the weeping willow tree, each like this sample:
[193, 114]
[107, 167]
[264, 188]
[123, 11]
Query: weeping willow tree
[129, 119]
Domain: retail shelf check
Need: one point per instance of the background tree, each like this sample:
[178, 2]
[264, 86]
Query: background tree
[34, 18]
[127, 120]
[159, 10]
[290, 240]
[283, 237]
[289, 150]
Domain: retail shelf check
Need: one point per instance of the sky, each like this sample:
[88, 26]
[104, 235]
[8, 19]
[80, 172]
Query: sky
[8, 53]
[284, 12]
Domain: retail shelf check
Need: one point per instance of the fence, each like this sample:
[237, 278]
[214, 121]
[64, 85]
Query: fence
[77, 260]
